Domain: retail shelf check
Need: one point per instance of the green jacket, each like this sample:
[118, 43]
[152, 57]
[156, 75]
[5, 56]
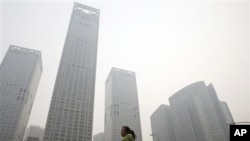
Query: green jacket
[128, 137]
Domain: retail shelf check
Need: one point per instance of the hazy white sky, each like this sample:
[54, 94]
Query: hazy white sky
[168, 44]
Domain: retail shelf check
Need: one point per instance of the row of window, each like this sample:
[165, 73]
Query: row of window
[80, 138]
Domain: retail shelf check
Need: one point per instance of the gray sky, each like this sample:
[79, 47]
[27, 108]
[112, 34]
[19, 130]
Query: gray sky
[168, 44]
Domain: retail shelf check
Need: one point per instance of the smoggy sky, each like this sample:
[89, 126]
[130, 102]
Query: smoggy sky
[168, 44]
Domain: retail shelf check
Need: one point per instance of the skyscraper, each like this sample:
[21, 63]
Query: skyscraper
[162, 124]
[121, 104]
[70, 116]
[197, 114]
[20, 74]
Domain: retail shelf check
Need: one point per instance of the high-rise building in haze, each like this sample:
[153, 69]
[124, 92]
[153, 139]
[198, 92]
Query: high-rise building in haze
[34, 133]
[162, 124]
[197, 114]
[227, 113]
[20, 73]
[121, 104]
[70, 116]
[98, 137]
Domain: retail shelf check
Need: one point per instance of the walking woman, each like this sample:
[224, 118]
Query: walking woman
[127, 134]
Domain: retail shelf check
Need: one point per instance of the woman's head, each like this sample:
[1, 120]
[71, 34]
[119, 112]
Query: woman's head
[133, 133]
[126, 130]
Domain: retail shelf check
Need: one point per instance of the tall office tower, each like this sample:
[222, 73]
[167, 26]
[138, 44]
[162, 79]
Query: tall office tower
[70, 116]
[34, 133]
[20, 74]
[121, 104]
[197, 114]
[162, 124]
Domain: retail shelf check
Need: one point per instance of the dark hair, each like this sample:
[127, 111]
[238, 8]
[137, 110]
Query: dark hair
[130, 131]
[133, 133]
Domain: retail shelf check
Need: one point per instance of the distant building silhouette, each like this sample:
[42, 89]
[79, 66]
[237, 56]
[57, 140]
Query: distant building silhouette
[98, 137]
[162, 124]
[20, 73]
[34, 133]
[121, 104]
[195, 114]
[198, 115]
[70, 116]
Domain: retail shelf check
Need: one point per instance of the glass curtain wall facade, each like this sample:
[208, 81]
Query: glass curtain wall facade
[121, 105]
[197, 114]
[70, 116]
[20, 73]
[227, 113]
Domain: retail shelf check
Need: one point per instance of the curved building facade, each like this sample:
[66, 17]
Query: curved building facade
[197, 114]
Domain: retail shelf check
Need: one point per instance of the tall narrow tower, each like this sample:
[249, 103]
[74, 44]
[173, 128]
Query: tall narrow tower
[121, 104]
[70, 114]
[20, 74]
